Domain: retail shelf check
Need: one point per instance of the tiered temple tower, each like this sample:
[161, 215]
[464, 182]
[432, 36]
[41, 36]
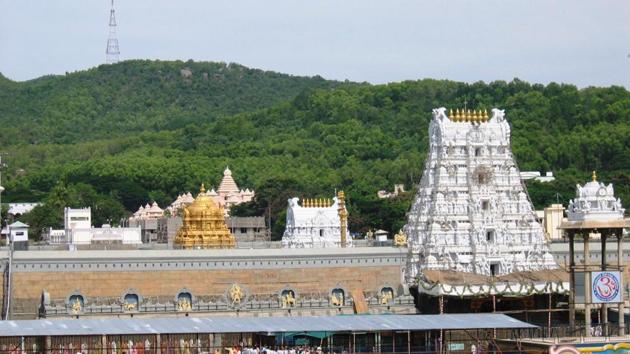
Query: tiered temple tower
[471, 212]
[204, 225]
[229, 194]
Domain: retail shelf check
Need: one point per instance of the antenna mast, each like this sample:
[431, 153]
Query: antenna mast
[112, 52]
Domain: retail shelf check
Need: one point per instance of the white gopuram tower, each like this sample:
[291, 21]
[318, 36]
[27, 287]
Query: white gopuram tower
[471, 212]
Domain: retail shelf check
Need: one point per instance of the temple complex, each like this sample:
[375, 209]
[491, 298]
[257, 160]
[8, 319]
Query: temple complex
[148, 212]
[472, 215]
[204, 225]
[317, 223]
[226, 196]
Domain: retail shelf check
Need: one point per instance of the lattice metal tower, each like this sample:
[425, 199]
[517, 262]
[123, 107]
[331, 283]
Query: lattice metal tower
[112, 51]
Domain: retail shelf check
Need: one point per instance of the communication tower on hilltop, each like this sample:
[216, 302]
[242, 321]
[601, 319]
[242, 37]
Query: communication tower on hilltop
[112, 51]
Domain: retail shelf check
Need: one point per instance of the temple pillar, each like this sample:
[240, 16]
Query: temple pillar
[587, 286]
[604, 307]
[48, 345]
[621, 307]
[104, 344]
[572, 279]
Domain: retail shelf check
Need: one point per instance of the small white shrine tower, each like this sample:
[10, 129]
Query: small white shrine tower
[595, 201]
[471, 213]
[317, 223]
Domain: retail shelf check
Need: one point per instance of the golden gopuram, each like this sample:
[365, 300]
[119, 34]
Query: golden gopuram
[204, 225]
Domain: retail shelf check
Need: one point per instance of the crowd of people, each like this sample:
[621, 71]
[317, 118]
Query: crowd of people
[272, 350]
[147, 347]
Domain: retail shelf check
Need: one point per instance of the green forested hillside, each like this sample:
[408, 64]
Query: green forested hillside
[114, 100]
[283, 136]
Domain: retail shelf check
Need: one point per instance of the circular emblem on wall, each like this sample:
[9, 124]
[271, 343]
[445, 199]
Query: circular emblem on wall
[606, 286]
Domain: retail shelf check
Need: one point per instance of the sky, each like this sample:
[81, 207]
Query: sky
[586, 43]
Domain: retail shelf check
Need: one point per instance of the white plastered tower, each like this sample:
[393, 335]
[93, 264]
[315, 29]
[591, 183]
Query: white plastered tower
[471, 212]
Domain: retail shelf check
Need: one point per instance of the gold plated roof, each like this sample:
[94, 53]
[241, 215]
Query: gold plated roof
[204, 225]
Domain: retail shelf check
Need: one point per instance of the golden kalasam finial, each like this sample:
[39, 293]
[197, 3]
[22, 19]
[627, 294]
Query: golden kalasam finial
[457, 115]
[594, 176]
[450, 113]
[307, 203]
[477, 116]
[485, 115]
[469, 116]
[202, 189]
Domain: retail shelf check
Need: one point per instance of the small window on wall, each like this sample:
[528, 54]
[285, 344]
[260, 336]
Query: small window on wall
[477, 151]
[485, 205]
[321, 232]
[490, 236]
[243, 230]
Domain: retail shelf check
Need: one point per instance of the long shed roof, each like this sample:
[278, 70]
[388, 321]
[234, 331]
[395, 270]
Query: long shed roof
[169, 325]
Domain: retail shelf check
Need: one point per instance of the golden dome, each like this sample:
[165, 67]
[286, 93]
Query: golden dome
[204, 225]
[202, 203]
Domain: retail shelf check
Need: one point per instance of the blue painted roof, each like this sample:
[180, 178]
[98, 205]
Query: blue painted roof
[171, 325]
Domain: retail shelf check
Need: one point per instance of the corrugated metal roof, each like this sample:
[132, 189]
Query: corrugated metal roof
[170, 325]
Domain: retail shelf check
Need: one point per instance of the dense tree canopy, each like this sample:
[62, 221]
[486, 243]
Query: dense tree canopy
[141, 131]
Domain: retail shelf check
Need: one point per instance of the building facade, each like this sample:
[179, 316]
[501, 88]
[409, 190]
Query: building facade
[78, 230]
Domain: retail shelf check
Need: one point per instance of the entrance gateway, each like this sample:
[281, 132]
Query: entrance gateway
[474, 241]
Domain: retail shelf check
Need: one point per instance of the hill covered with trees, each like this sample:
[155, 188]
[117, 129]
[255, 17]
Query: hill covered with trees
[118, 136]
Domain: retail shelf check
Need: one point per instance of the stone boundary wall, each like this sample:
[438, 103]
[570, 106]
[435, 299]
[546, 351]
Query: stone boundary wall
[161, 275]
